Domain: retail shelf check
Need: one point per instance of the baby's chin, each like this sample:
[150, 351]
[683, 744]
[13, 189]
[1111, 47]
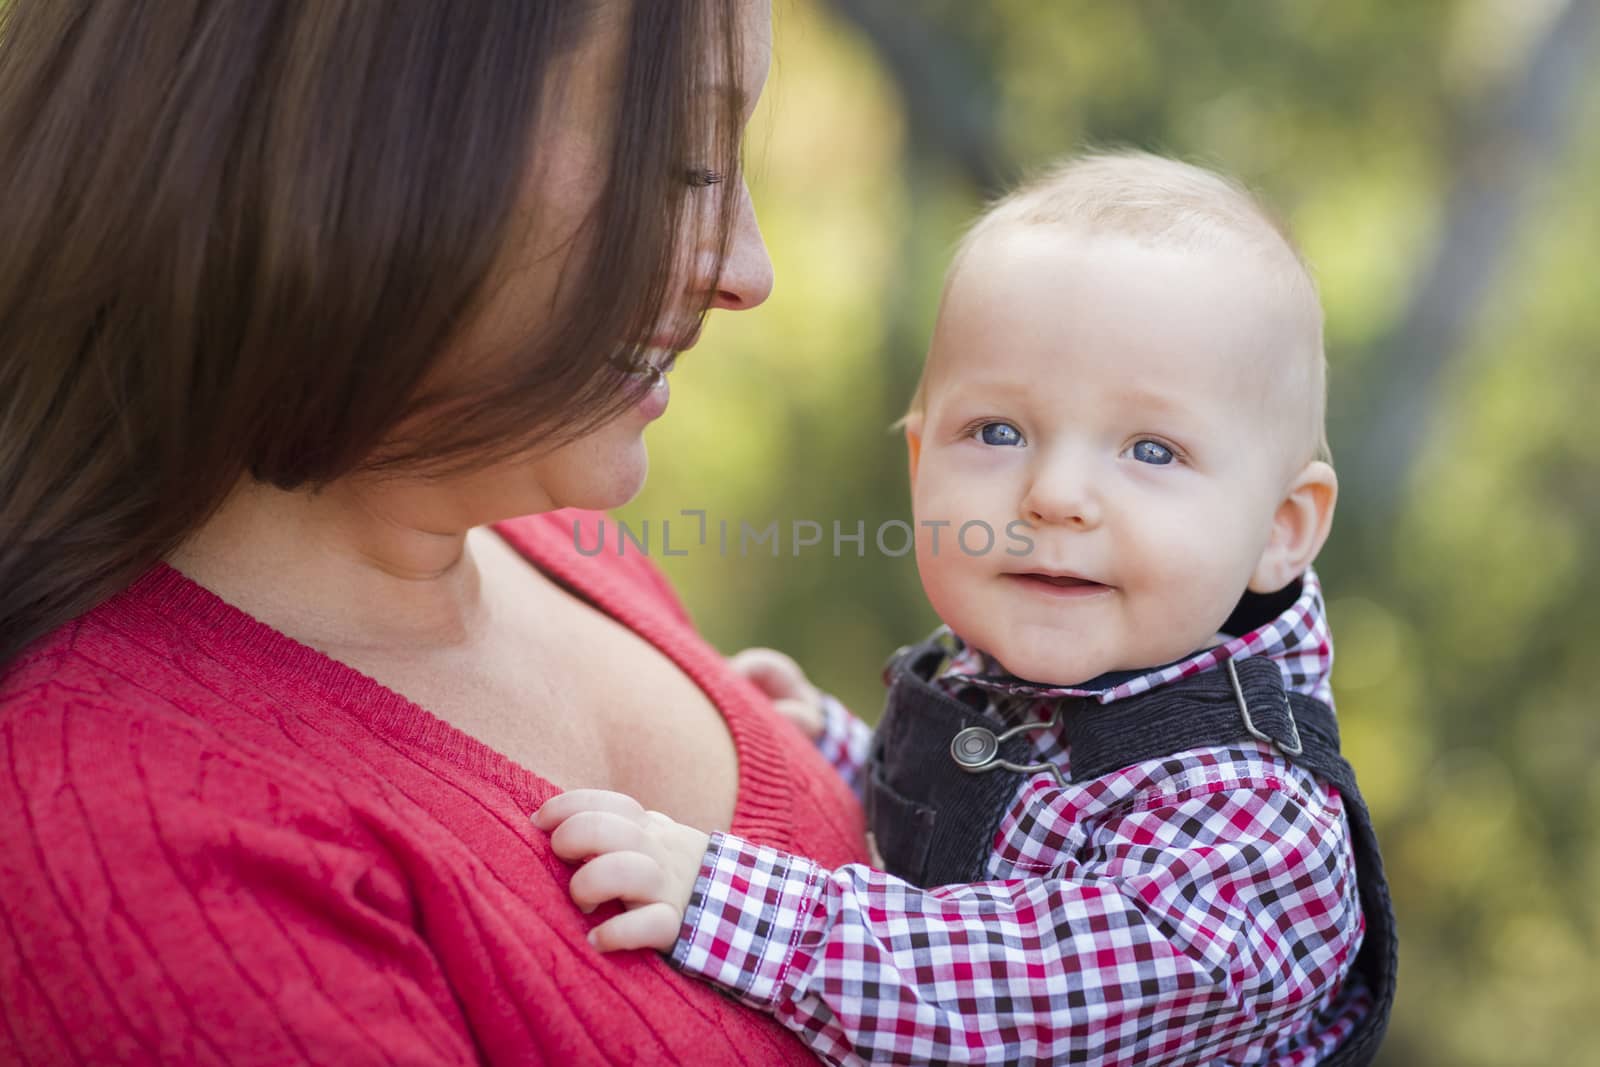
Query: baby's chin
[1065, 668]
[1047, 666]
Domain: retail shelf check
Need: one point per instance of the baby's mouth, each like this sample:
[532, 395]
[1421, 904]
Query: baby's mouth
[1058, 584]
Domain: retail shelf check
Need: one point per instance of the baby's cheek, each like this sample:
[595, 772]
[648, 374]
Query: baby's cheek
[949, 596]
[1194, 594]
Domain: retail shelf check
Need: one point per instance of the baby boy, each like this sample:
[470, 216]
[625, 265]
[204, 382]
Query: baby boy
[1114, 824]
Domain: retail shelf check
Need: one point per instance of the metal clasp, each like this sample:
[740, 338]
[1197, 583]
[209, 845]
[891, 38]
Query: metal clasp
[977, 749]
[1294, 748]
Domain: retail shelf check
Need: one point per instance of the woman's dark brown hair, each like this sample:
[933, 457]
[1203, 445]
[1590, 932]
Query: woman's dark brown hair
[236, 236]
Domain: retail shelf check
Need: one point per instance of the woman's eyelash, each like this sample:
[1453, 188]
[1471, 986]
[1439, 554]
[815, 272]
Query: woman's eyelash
[703, 176]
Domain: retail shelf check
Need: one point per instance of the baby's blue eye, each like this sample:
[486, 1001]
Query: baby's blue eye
[1152, 453]
[1000, 433]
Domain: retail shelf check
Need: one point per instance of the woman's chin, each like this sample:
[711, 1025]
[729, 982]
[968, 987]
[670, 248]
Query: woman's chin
[610, 482]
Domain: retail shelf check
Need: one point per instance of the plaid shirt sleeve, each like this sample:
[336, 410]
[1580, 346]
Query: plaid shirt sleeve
[1207, 923]
[845, 741]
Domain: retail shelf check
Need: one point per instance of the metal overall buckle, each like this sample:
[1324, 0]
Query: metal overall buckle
[1294, 747]
[977, 749]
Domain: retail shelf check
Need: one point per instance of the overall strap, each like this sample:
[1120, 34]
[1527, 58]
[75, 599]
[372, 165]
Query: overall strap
[1247, 699]
[1241, 700]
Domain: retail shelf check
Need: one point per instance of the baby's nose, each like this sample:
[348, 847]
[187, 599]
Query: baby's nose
[1062, 494]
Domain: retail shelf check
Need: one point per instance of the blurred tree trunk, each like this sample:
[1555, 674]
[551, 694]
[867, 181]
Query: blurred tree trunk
[1505, 148]
[949, 103]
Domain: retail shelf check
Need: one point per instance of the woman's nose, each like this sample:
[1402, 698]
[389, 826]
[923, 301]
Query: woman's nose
[1062, 493]
[746, 278]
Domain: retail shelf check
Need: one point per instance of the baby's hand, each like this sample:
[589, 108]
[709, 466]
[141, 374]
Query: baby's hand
[785, 684]
[641, 858]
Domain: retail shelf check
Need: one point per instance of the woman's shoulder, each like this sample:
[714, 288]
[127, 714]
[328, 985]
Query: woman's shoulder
[91, 712]
[75, 673]
[159, 854]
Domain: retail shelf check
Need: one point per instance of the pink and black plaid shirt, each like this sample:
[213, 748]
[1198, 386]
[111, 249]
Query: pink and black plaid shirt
[1195, 909]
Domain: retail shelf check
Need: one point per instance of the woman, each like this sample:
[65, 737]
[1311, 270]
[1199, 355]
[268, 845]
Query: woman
[301, 306]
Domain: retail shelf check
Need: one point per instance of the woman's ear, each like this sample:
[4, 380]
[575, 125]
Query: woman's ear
[913, 426]
[1299, 527]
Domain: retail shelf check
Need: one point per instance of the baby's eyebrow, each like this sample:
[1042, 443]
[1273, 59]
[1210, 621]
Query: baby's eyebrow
[1146, 398]
[997, 386]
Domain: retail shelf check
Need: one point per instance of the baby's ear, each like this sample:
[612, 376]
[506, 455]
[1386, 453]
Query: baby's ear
[1299, 527]
[913, 428]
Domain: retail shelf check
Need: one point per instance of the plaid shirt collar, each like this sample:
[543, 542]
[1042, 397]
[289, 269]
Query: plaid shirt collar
[1297, 638]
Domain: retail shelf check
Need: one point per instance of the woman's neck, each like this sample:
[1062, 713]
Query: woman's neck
[349, 567]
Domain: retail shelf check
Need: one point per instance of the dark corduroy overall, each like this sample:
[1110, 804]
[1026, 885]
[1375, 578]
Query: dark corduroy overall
[940, 780]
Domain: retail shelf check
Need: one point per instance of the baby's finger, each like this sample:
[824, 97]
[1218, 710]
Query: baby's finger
[652, 926]
[631, 877]
[589, 833]
[757, 658]
[806, 714]
[563, 806]
[769, 670]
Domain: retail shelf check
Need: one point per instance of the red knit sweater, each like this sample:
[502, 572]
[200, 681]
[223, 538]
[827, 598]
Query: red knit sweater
[218, 845]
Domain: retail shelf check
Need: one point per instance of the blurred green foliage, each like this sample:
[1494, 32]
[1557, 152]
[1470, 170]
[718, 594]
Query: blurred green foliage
[1465, 611]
